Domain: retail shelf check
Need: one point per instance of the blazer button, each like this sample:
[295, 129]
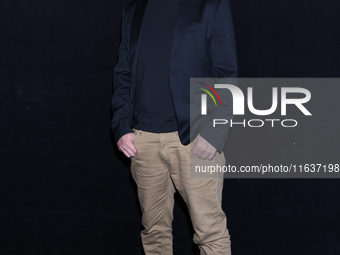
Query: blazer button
[132, 101]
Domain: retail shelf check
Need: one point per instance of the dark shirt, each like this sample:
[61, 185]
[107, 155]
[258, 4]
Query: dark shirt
[154, 108]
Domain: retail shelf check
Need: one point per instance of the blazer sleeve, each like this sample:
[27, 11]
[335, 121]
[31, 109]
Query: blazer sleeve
[120, 103]
[224, 65]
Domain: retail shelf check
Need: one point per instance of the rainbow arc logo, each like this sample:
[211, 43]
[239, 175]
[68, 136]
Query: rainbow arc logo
[209, 93]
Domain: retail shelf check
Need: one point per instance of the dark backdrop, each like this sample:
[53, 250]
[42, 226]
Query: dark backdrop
[64, 187]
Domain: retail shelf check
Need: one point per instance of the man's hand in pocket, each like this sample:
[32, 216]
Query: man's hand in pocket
[126, 145]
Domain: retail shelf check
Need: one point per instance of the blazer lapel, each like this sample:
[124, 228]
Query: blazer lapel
[186, 12]
[136, 28]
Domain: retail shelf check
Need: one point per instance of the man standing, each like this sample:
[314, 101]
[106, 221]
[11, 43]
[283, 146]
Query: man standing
[164, 43]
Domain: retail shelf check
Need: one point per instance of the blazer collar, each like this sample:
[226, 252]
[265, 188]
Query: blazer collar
[185, 15]
[136, 28]
[186, 11]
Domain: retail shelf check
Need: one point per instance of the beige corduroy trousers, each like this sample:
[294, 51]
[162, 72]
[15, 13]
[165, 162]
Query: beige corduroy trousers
[160, 167]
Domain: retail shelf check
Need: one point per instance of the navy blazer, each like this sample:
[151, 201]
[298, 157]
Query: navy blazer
[203, 46]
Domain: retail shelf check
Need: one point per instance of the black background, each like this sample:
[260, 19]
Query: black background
[64, 187]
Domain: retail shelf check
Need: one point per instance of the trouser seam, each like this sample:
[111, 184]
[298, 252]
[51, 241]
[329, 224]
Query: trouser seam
[164, 207]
